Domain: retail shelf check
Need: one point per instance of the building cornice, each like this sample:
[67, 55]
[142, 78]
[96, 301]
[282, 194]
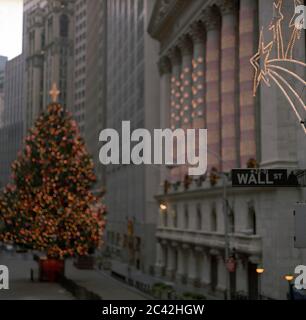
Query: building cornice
[163, 13]
[203, 192]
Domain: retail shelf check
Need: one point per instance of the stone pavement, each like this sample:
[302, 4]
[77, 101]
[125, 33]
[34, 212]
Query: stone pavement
[103, 284]
[21, 288]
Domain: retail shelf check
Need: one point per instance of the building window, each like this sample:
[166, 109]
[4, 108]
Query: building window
[199, 217]
[165, 218]
[231, 221]
[213, 219]
[174, 215]
[64, 26]
[252, 219]
[186, 217]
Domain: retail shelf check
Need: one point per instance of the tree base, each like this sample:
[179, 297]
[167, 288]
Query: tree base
[51, 270]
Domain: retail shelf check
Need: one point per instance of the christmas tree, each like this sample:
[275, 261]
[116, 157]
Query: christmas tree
[49, 207]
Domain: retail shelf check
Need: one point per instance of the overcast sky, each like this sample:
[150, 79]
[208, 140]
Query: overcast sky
[10, 27]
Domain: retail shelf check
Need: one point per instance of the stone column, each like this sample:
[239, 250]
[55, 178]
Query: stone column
[247, 33]
[186, 47]
[213, 89]
[176, 61]
[242, 275]
[221, 274]
[229, 83]
[197, 33]
[160, 260]
[170, 262]
[181, 264]
[192, 271]
[165, 101]
[278, 121]
[205, 279]
[176, 95]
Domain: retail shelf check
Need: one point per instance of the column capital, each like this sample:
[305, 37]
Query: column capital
[255, 259]
[199, 249]
[227, 6]
[175, 56]
[197, 32]
[164, 65]
[185, 45]
[185, 246]
[211, 19]
[174, 244]
[214, 252]
[242, 260]
[163, 242]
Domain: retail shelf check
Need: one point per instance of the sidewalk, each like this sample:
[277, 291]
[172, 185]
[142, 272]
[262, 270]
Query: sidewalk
[102, 284]
[21, 288]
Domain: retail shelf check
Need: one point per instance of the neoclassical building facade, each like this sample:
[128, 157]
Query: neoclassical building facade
[207, 81]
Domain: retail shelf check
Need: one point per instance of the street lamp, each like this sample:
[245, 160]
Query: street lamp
[260, 271]
[163, 207]
[225, 213]
[289, 278]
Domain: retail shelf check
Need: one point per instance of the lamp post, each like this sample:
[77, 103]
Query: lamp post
[289, 278]
[260, 272]
[225, 214]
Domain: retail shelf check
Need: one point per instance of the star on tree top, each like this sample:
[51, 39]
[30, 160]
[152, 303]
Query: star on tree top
[54, 93]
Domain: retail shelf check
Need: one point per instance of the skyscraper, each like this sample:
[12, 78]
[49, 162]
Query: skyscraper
[3, 61]
[89, 74]
[12, 130]
[132, 90]
[48, 50]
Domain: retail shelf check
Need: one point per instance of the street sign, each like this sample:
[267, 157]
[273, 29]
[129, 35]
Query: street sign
[268, 178]
[300, 226]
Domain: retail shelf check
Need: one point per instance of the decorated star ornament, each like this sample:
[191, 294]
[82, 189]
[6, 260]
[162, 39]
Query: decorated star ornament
[279, 66]
[259, 62]
[275, 26]
[278, 17]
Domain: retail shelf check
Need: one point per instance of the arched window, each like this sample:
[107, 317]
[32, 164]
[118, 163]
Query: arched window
[213, 219]
[64, 26]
